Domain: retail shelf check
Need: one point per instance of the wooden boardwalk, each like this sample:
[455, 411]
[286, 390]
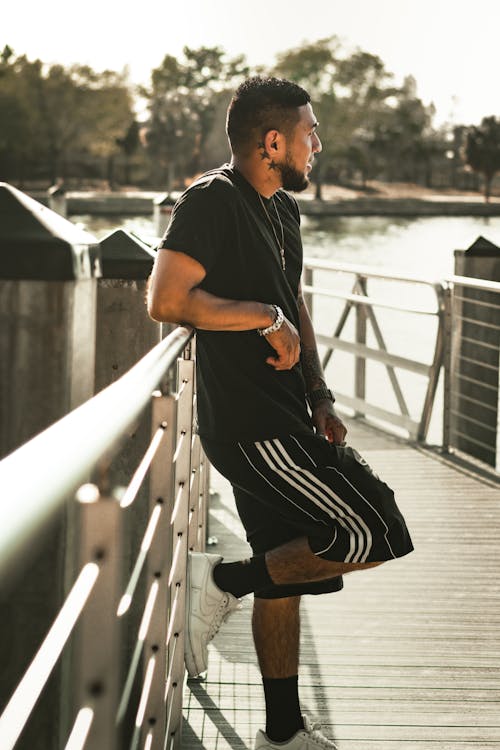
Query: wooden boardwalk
[407, 656]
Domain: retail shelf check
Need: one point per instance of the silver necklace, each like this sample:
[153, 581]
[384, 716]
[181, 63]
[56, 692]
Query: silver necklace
[281, 244]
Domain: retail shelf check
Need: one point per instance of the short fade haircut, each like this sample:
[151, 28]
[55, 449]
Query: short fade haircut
[262, 104]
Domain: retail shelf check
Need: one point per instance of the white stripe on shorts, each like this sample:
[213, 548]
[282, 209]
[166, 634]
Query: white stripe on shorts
[322, 495]
[360, 527]
[359, 532]
[310, 491]
[319, 520]
[334, 468]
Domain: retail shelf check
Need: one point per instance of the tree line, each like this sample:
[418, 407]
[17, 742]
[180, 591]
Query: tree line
[76, 124]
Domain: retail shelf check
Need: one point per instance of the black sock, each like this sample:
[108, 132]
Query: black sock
[283, 715]
[240, 578]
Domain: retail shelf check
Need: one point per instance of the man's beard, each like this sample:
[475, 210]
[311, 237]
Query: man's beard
[292, 178]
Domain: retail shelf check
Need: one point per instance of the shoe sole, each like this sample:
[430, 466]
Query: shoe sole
[189, 657]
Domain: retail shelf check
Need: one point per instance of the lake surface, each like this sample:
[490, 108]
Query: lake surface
[422, 247]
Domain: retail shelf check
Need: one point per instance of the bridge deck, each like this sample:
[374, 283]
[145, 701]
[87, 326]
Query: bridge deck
[408, 655]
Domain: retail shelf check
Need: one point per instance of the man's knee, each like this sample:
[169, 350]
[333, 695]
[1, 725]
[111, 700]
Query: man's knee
[351, 567]
[278, 605]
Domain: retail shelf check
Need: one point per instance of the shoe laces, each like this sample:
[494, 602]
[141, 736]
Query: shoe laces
[222, 614]
[313, 729]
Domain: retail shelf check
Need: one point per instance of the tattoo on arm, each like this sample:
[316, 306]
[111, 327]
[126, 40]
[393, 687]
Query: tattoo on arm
[311, 367]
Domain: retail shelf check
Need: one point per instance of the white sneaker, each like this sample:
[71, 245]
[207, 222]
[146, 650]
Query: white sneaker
[207, 607]
[309, 738]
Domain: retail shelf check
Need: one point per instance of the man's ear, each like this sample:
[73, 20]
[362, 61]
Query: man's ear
[273, 142]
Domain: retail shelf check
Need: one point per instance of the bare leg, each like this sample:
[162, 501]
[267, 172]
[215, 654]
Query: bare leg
[294, 562]
[276, 633]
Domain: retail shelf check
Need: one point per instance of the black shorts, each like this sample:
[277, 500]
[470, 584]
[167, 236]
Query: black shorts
[301, 485]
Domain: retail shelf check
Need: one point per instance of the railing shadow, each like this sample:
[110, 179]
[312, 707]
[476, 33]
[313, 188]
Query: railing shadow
[191, 739]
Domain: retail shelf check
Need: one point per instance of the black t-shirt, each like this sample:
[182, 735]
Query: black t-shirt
[220, 222]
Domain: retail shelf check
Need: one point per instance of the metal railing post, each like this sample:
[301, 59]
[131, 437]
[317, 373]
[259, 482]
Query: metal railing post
[437, 363]
[308, 296]
[96, 654]
[448, 363]
[180, 534]
[151, 714]
[195, 496]
[360, 362]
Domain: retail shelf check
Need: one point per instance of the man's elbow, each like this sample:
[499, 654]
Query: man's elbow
[161, 311]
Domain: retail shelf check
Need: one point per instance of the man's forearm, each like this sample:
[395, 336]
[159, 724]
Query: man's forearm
[207, 312]
[309, 357]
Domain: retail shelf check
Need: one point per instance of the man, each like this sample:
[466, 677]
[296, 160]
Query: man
[230, 265]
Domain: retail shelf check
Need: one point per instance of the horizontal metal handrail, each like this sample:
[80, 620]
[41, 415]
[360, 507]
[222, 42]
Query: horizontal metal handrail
[62, 456]
[479, 443]
[477, 402]
[368, 271]
[476, 342]
[474, 301]
[467, 418]
[360, 299]
[376, 355]
[480, 323]
[478, 363]
[483, 284]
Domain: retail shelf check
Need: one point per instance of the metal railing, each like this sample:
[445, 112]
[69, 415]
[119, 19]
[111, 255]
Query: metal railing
[356, 298]
[118, 697]
[120, 632]
[454, 327]
[471, 394]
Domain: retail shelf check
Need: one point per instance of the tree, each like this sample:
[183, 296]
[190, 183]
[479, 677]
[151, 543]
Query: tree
[18, 142]
[56, 115]
[313, 66]
[482, 150]
[129, 144]
[347, 92]
[403, 142]
[183, 101]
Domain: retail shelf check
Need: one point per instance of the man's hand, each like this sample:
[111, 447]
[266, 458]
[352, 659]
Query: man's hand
[286, 342]
[328, 423]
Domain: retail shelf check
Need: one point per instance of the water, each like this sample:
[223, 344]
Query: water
[422, 247]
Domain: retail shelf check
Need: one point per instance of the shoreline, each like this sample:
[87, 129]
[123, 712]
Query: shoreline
[100, 203]
[404, 207]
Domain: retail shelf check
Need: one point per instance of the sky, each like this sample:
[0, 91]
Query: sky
[450, 47]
